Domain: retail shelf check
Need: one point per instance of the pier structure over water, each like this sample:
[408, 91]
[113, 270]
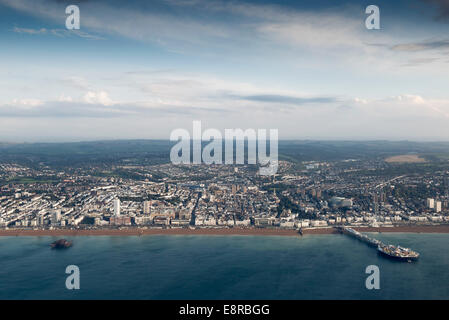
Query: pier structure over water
[390, 251]
[362, 237]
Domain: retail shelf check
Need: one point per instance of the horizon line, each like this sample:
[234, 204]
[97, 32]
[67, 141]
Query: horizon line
[2, 143]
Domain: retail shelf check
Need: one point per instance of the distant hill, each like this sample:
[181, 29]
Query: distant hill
[157, 151]
[86, 153]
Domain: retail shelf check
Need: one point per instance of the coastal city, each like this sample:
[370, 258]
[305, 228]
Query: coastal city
[224, 159]
[301, 196]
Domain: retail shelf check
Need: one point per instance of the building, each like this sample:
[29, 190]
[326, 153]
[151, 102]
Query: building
[143, 220]
[263, 221]
[147, 207]
[120, 221]
[437, 206]
[430, 203]
[163, 215]
[55, 216]
[183, 214]
[117, 207]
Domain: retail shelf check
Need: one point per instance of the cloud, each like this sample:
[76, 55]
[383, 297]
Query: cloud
[157, 27]
[77, 82]
[27, 102]
[410, 98]
[100, 97]
[199, 28]
[30, 31]
[404, 107]
[64, 98]
[63, 33]
[271, 98]
[419, 61]
[182, 29]
[407, 116]
[422, 46]
[274, 59]
[97, 105]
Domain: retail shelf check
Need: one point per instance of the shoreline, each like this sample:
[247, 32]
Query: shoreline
[217, 231]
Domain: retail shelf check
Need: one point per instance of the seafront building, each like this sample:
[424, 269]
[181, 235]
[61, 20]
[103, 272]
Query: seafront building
[117, 207]
[430, 203]
[438, 206]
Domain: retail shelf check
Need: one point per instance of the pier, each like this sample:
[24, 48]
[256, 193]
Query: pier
[362, 237]
[390, 251]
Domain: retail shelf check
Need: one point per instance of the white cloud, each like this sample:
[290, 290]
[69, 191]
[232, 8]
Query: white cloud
[411, 98]
[408, 117]
[100, 97]
[77, 82]
[30, 30]
[26, 102]
[63, 98]
[64, 33]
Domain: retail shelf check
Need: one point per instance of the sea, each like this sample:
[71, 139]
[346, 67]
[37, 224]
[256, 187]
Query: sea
[222, 267]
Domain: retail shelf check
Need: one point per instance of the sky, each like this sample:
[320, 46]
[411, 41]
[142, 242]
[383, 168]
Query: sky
[141, 69]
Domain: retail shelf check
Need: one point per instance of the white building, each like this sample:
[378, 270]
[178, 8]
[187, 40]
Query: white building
[437, 206]
[117, 207]
[147, 207]
[244, 223]
[430, 203]
[56, 216]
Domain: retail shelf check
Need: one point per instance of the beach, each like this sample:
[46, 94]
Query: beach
[135, 231]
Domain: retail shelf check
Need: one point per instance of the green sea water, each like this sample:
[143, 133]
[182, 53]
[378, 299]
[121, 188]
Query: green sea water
[222, 267]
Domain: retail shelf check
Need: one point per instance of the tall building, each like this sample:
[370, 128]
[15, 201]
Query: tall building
[117, 207]
[147, 207]
[55, 216]
[376, 208]
[437, 206]
[383, 196]
[430, 203]
[40, 220]
[446, 186]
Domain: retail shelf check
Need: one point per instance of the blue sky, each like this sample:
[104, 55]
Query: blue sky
[140, 69]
